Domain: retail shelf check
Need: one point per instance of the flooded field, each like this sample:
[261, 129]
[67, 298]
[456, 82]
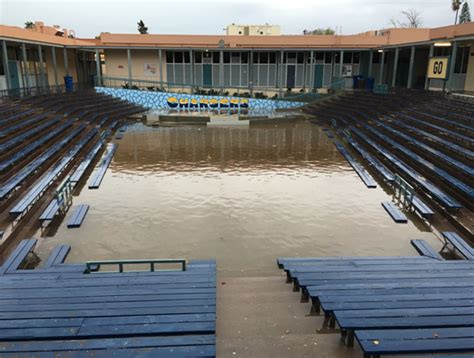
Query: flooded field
[241, 195]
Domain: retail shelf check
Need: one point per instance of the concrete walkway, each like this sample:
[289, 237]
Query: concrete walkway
[263, 317]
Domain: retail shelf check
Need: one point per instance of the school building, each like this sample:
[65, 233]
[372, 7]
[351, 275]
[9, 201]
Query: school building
[42, 56]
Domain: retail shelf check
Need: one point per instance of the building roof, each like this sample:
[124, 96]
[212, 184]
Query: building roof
[370, 39]
[24, 35]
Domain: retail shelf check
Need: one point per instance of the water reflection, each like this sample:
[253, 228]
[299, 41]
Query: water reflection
[241, 195]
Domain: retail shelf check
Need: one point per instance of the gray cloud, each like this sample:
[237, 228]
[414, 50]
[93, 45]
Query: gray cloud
[89, 18]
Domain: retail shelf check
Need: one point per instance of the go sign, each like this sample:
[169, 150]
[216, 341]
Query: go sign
[438, 68]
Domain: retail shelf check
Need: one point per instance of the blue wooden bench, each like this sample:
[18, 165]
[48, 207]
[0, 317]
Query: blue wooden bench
[421, 208]
[359, 169]
[78, 216]
[82, 167]
[49, 213]
[375, 343]
[101, 168]
[425, 249]
[119, 136]
[458, 244]
[57, 256]
[394, 212]
[18, 255]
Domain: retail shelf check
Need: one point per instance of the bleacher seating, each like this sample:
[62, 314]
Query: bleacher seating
[63, 310]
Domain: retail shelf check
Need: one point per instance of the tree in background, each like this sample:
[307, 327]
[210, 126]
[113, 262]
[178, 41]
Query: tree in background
[320, 31]
[456, 5]
[413, 20]
[465, 14]
[29, 25]
[142, 28]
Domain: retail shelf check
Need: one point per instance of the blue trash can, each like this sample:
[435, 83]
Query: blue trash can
[68, 83]
[370, 83]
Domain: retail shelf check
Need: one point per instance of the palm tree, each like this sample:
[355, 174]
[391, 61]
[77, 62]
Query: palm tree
[456, 5]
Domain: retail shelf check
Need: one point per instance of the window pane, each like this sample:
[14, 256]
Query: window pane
[169, 56]
[178, 57]
[319, 56]
[300, 58]
[244, 57]
[215, 57]
[272, 57]
[186, 57]
[328, 57]
[198, 57]
[263, 57]
[226, 57]
[347, 57]
[356, 57]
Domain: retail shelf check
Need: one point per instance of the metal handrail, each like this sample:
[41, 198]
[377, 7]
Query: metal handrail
[92, 266]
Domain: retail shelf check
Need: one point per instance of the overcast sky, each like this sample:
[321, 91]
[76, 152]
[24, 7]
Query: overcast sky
[91, 17]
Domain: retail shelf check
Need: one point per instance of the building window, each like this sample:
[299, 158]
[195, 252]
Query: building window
[169, 57]
[347, 58]
[226, 57]
[215, 57]
[462, 59]
[328, 57]
[376, 57]
[198, 57]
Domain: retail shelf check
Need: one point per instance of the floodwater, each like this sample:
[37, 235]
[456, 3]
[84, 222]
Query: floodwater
[241, 195]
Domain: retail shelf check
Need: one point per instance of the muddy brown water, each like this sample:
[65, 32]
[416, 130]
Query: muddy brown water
[241, 195]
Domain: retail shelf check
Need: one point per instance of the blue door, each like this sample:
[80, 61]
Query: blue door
[14, 76]
[207, 75]
[318, 76]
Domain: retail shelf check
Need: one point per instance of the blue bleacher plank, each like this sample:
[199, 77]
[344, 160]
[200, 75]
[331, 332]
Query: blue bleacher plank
[425, 249]
[433, 340]
[82, 167]
[394, 212]
[24, 152]
[104, 344]
[459, 244]
[102, 166]
[18, 255]
[30, 168]
[50, 211]
[424, 210]
[48, 178]
[359, 169]
[119, 136]
[442, 174]
[57, 256]
[432, 189]
[78, 216]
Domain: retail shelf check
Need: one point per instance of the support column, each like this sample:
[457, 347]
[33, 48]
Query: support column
[97, 68]
[427, 80]
[280, 83]
[66, 61]
[55, 66]
[191, 61]
[221, 71]
[311, 71]
[341, 61]
[129, 62]
[411, 68]
[5, 65]
[395, 67]
[41, 67]
[452, 62]
[160, 61]
[250, 71]
[25, 64]
[371, 59]
[382, 67]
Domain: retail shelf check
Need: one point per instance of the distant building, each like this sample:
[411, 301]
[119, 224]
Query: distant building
[253, 30]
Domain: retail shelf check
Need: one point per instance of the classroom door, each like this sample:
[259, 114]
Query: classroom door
[318, 76]
[290, 76]
[207, 75]
[14, 76]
